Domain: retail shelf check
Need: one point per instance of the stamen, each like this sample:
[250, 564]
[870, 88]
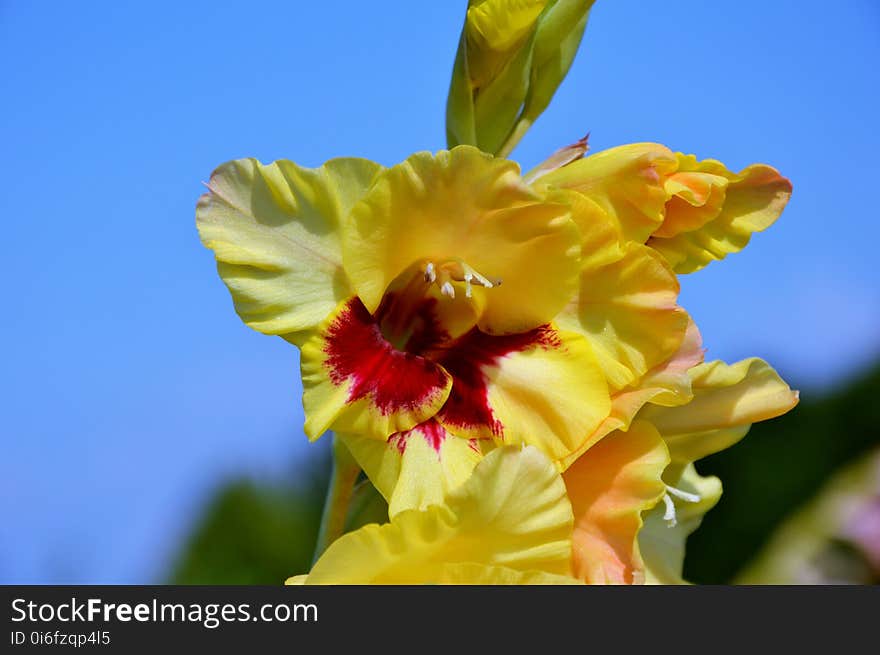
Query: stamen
[456, 270]
[669, 516]
[684, 495]
[484, 281]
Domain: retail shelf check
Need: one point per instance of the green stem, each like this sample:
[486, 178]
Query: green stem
[339, 491]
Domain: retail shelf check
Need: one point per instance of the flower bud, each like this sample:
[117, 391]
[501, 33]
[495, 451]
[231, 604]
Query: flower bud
[512, 56]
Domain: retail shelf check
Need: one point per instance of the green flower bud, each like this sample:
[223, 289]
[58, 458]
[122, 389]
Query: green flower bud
[512, 56]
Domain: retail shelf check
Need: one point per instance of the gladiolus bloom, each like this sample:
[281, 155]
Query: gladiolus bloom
[443, 297]
[446, 308]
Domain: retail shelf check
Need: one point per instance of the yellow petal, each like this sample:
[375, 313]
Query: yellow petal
[736, 206]
[669, 384]
[516, 504]
[465, 208]
[600, 234]
[666, 384]
[692, 446]
[275, 230]
[355, 381]
[417, 468]
[663, 545]
[693, 212]
[542, 388]
[627, 310]
[480, 574]
[727, 400]
[627, 182]
[512, 512]
[609, 487]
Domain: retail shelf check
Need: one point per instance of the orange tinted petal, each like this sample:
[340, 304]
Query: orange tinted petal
[609, 487]
[692, 237]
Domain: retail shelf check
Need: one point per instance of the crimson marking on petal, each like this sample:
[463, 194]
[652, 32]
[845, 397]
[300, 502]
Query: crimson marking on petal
[393, 380]
[398, 440]
[467, 361]
[433, 432]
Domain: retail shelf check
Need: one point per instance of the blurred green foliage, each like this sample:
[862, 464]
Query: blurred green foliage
[833, 539]
[255, 533]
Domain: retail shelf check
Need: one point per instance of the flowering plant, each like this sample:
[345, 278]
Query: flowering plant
[502, 354]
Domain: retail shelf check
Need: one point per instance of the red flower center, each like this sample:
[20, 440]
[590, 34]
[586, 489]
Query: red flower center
[400, 355]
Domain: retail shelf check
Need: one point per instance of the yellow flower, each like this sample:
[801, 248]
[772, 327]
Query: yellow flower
[512, 56]
[504, 356]
[509, 523]
[692, 212]
[644, 343]
[442, 297]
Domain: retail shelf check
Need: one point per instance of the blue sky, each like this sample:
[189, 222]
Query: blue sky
[131, 389]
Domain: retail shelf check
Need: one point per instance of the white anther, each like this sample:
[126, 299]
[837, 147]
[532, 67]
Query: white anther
[669, 516]
[467, 284]
[430, 273]
[447, 290]
[684, 495]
